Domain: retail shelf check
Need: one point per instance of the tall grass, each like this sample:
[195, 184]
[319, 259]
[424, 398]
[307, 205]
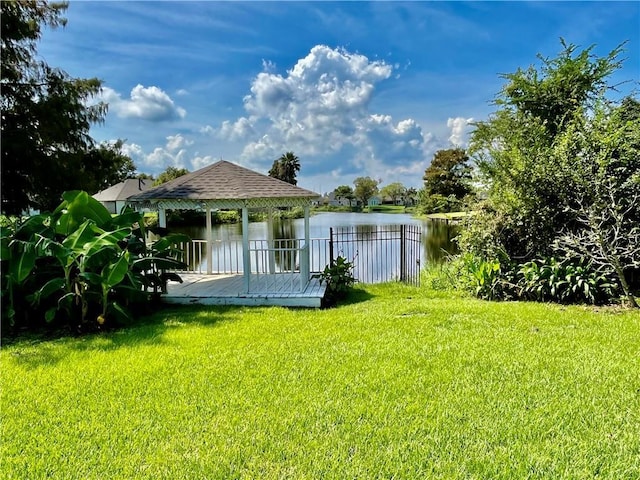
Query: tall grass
[400, 383]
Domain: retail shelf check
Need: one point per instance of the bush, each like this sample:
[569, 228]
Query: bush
[339, 278]
[564, 282]
[81, 267]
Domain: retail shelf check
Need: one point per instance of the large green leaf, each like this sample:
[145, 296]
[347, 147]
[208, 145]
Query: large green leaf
[32, 226]
[126, 219]
[22, 262]
[170, 240]
[106, 239]
[91, 277]
[48, 289]
[77, 207]
[114, 273]
[77, 240]
[5, 251]
[99, 258]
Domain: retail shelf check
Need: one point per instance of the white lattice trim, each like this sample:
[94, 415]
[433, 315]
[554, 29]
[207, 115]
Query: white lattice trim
[178, 204]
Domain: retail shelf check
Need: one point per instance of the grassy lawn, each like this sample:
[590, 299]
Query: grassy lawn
[400, 383]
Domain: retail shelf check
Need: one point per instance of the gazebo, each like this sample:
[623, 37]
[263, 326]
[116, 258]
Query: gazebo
[225, 185]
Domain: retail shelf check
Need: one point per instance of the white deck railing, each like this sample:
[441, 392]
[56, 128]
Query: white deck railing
[283, 257]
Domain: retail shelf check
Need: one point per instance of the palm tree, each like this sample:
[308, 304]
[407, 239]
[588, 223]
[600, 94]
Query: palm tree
[286, 168]
[290, 166]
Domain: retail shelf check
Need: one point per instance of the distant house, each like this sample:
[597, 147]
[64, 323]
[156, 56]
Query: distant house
[374, 201]
[335, 201]
[115, 197]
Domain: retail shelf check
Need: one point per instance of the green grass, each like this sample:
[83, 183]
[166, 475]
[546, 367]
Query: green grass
[386, 208]
[400, 383]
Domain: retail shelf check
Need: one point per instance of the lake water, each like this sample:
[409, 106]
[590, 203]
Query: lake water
[437, 236]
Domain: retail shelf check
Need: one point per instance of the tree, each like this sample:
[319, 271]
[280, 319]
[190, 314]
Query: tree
[599, 153]
[286, 168]
[528, 191]
[395, 191]
[448, 174]
[366, 187]
[171, 173]
[46, 115]
[344, 191]
[103, 166]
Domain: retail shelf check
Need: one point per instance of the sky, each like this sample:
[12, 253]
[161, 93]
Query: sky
[352, 88]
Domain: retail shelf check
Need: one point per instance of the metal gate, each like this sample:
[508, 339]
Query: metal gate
[380, 253]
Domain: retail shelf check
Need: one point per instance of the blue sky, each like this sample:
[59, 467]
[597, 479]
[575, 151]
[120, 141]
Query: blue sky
[352, 88]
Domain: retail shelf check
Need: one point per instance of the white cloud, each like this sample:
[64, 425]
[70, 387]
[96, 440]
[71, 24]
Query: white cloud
[174, 153]
[321, 109]
[147, 103]
[241, 129]
[460, 129]
[199, 162]
[268, 65]
[175, 142]
[133, 151]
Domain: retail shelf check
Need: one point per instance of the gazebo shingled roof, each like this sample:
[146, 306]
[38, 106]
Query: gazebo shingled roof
[224, 184]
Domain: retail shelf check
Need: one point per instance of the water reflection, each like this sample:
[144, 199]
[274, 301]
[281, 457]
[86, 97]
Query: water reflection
[284, 237]
[438, 240]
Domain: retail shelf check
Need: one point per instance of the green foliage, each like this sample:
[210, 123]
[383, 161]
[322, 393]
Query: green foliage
[366, 187]
[600, 157]
[344, 192]
[485, 276]
[563, 282]
[101, 167]
[449, 174]
[561, 87]
[394, 191]
[439, 204]
[81, 266]
[530, 186]
[549, 280]
[338, 276]
[171, 173]
[286, 168]
[46, 118]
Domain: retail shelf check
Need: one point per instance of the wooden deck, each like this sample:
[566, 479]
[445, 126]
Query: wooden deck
[201, 289]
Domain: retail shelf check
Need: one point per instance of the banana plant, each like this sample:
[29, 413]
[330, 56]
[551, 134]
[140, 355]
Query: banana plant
[80, 263]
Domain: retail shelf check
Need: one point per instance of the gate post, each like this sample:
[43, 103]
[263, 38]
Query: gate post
[403, 255]
[330, 245]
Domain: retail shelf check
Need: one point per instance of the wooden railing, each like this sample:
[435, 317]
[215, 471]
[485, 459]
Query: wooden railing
[283, 257]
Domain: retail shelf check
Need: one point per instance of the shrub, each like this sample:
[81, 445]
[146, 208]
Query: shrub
[339, 278]
[564, 282]
[80, 266]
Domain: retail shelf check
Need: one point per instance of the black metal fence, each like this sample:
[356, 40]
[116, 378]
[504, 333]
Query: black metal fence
[379, 253]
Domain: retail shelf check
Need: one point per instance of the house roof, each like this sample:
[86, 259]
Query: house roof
[123, 190]
[224, 181]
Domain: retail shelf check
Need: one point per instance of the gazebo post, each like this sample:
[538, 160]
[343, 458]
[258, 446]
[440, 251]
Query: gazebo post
[270, 242]
[246, 258]
[162, 217]
[209, 242]
[305, 260]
